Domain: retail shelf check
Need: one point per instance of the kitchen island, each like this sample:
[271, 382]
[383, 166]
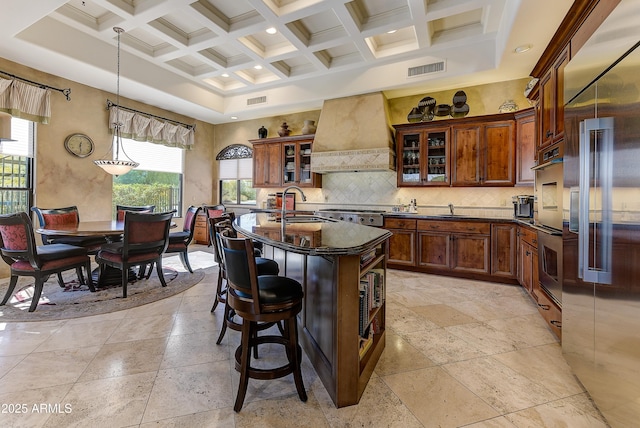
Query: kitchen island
[342, 268]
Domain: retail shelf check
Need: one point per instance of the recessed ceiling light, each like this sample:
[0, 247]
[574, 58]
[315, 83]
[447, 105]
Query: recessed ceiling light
[271, 30]
[391, 31]
[522, 48]
[234, 117]
[225, 74]
[257, 67]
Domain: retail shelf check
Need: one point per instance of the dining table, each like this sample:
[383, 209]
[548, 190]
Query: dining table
[110, 229]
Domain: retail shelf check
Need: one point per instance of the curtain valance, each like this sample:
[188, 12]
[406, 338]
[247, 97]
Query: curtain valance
[145, 127]
[25, 101]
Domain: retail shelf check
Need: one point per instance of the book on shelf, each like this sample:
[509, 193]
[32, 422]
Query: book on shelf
[365, 344]
[371, 296]
[367, 257]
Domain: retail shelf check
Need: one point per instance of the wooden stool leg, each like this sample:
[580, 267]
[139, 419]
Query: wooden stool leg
[295, 356]
[245, 361]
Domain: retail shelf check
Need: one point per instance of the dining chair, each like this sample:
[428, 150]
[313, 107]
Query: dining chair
[145, 239]
[260, 299]
[179, 241]
[19, 251]
[214, 210]
[120, 210]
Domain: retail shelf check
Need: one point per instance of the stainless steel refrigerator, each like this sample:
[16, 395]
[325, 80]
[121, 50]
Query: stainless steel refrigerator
[601, 227]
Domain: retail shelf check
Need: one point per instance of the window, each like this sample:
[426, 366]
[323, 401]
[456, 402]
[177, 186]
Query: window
[16, 161]
[236, 172]
[157, 181]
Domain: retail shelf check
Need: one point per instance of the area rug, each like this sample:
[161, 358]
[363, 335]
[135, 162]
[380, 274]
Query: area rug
[75, 300]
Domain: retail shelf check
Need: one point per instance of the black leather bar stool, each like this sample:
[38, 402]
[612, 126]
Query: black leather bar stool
[258, 300]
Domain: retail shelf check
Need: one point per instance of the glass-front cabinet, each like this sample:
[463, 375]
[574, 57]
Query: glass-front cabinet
[423, 157]
[297, 163]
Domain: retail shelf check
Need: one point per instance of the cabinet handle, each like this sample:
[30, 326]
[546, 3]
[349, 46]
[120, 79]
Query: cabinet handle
[527, 253]
[534, 241]
[556, 323]
[549, 134]
[544, 307]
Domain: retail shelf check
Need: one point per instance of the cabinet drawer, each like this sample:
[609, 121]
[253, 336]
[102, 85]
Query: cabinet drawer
[399, 223]
[529, 236]
[455, 226]
[551, 313]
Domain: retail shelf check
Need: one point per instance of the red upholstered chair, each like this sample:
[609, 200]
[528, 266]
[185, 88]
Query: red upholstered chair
[214, 210]
[145, 239]
[19, 251]
[120, 210]
[259, 300]
[56, 217]
[179, 241]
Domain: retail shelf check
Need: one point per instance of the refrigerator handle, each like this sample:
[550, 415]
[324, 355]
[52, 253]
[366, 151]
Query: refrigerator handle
[574, 209]
[595, 224]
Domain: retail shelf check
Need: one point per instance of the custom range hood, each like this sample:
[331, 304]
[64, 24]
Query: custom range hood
[353, 134]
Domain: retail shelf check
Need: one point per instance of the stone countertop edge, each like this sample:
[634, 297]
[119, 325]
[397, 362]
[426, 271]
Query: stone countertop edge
[419, 216]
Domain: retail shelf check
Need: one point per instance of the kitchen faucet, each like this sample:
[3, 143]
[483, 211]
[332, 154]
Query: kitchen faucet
[284, 199]
[451, 208]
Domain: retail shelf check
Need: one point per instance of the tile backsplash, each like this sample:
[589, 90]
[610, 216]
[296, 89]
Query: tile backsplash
[378, 190]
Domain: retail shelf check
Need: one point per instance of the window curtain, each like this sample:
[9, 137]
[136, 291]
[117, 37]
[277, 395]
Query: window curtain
[139, 127]
[25, 101]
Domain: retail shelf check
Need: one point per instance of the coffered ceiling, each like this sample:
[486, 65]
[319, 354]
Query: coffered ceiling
[213, 59]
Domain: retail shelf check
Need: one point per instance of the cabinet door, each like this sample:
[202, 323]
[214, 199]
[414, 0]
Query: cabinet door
[525, 147]
[437, 157]
[503, 250]
[401, 247]
[267, 165]
[434, 250]
[498, 156]
[470, 253]
[410, 158]
[552, 102]
[465, 155]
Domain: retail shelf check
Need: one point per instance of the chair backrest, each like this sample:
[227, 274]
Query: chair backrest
[190, 220]
[145, 232]
[17, 240]
[214, 210]
[120, 210]
[57, 216]
[241, 270]
[216, 226]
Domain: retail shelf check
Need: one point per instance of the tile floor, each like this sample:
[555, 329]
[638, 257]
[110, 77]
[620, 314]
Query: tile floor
[459, 353]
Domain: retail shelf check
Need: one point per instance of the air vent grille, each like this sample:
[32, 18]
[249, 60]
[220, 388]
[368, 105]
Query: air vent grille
[425, 69]
[257, 100]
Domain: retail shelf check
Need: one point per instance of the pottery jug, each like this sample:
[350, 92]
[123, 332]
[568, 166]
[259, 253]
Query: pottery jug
[262, 132]
[284, 130]
[309, 127]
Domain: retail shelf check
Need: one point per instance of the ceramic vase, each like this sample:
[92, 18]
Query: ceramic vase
[262, 132]
[309, 127]
[284, 130]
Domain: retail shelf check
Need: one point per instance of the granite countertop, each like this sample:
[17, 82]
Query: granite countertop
[310, 235]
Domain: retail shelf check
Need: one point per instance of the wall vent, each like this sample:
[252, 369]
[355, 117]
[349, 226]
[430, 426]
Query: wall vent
[256, 100]
[425, 69]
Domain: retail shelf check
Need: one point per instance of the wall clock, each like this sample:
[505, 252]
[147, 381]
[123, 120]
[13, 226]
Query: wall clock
[79, 145]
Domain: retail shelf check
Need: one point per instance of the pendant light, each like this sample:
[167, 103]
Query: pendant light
[5, 127]
[117, 165]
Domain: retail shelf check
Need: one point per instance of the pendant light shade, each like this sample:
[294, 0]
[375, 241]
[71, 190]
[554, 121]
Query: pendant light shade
[5, 127]
[116, 164]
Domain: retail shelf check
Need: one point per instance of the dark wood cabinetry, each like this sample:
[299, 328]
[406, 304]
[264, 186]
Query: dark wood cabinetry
[504, 253]
[476, 151]
[551, 108]
[201, 229]
[528, 260]
[283, 161]
[402, 245]
[525, 146]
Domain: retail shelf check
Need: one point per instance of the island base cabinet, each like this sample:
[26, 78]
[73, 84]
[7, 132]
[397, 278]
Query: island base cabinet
[329, 323]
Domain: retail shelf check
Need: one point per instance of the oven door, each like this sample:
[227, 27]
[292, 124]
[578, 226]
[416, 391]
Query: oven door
[550, 264]
[549, 185]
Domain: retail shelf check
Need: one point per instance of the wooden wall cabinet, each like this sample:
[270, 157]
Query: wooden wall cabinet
[525, 146]
[284, 161]
[472, 151]
[401, 249]
[551, 106]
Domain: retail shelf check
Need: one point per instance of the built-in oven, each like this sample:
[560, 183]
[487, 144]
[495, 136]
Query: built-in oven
[550, 264]
[548, 192]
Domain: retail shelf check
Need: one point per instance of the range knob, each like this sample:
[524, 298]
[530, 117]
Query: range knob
[341, 218]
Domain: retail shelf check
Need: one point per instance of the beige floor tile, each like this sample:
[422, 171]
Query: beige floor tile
[71, 336]
[437, 399]
[143, 328]
[32, 408]
[486, 338]
[379, 407]
[184, 390]
[44, 369]
[118, 315]
[556, 414]
[126, 358]
[213, 418]
[282, 412]
[9, 362]
[110, 402]
[190, 349]
[544, 364]
[442, 347]
[21, 340]
[498, 385]
[400, 356]
[197, 303]
[412, 298]
[401, 319]
[499, 422]
[443, 315]
[203, 322]
[166, 306]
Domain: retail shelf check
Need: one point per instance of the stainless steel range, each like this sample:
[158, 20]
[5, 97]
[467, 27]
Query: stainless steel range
[364, 217]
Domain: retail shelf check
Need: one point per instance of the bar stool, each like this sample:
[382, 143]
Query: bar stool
[258, 300]
[264, 267]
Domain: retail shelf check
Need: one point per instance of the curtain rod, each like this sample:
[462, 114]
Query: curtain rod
[66, 92]
[112, 104]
